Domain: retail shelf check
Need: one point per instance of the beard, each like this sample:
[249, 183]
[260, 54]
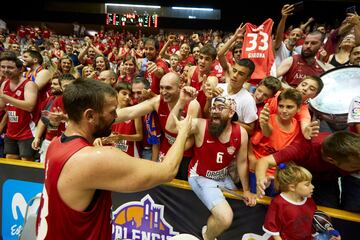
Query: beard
[103, 130]
[307, 54]
[215, 129]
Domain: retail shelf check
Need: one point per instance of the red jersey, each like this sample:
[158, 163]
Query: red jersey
[167, 138]
[290, 220]
[51, 132]
[213, 158]
[218, 70]
[20, 125]
[129, 147]
[58, 103]
[189, 60]
[300, 69]
[56, 220]
[257, 46]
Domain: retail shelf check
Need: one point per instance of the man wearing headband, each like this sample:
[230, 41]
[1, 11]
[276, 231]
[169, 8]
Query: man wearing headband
[218, 141]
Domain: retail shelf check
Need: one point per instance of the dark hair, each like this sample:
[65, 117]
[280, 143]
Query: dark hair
[107, 64]
[271, 83]
[237, 46]
[83, 94]
[67, 77]
[316, 32]
[318, 80]
[155, 42]
[141, 79]
[35, 54]
[209, 50]
[122, 86]
[341, 146]
[291, 94]
[11, 56]
[248, 63]
[353, 48]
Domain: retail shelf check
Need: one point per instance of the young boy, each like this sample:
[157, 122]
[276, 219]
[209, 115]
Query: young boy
[276, 131]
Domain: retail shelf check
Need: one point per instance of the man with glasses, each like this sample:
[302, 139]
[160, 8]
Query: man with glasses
[218, 141]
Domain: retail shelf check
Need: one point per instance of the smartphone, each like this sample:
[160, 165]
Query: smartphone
[299, 6]
[351, 9]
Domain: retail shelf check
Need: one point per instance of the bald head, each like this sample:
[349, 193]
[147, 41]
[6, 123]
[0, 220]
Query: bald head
[172, 77]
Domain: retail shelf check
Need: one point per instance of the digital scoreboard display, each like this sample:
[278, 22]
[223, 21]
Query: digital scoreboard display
[131, 19]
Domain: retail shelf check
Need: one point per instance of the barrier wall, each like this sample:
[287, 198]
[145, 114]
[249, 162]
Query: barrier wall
[158, 213]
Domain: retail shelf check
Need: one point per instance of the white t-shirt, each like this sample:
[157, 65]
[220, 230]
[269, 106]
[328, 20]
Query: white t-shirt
[245, 104]
[282, 53]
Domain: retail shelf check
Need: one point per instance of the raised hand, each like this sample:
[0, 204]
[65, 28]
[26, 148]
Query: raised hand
[287, 10]
[187, 94]
[264, 115]
[311, 130]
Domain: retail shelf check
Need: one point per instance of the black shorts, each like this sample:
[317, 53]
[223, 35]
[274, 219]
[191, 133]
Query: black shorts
[21, 148]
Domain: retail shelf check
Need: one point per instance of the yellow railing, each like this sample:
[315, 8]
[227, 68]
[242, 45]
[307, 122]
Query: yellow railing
[337, 213]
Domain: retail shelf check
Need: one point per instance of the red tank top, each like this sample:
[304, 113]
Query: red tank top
[20, 125]
[195, 83]
[300, 69]
[130, 147]
[167, 138]
[56, 220]
[212, 158]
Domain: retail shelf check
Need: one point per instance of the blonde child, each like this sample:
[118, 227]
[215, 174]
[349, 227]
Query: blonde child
[290, 214]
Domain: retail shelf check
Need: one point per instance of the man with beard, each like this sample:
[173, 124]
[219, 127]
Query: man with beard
[218, 141]
[354, 58]
[18, 97]
[36, 73]
[76, 200]
[57, 87]
[296, 68]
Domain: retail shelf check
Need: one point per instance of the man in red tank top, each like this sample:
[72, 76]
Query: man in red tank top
[76, 200]
[293, 69]
[42, 77]
[18, 97]
[218, 142]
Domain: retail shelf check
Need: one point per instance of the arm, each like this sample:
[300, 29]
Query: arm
[249, 127]
[226, 47]
[82, 54]
[138, 136]
[283, 68]
[303, 26]
[242, 167]
[265, 126]
[261, 167]
[40, 129]
[111, 169]
[155, 148]
[3, 122]
[30, 98]
[138, 110]
[164, 49]
[285, 12]
[43, 78]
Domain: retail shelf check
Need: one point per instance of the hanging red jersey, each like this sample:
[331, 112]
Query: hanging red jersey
[257, 46]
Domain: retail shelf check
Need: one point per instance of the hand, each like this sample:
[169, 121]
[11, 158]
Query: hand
[249, 198]
[36, 144]
[311, 130]
[353, 18]
[261, 185]
[311, 19]
[151, 67]
[322, 52]
[97, 142]
[287, 10]
[171, 38]
[240, 30]
[264, 115]
[187, 94]
[147, 94]
[184, 125]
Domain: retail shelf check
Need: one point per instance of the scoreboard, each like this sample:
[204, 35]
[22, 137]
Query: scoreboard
[131, 19]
